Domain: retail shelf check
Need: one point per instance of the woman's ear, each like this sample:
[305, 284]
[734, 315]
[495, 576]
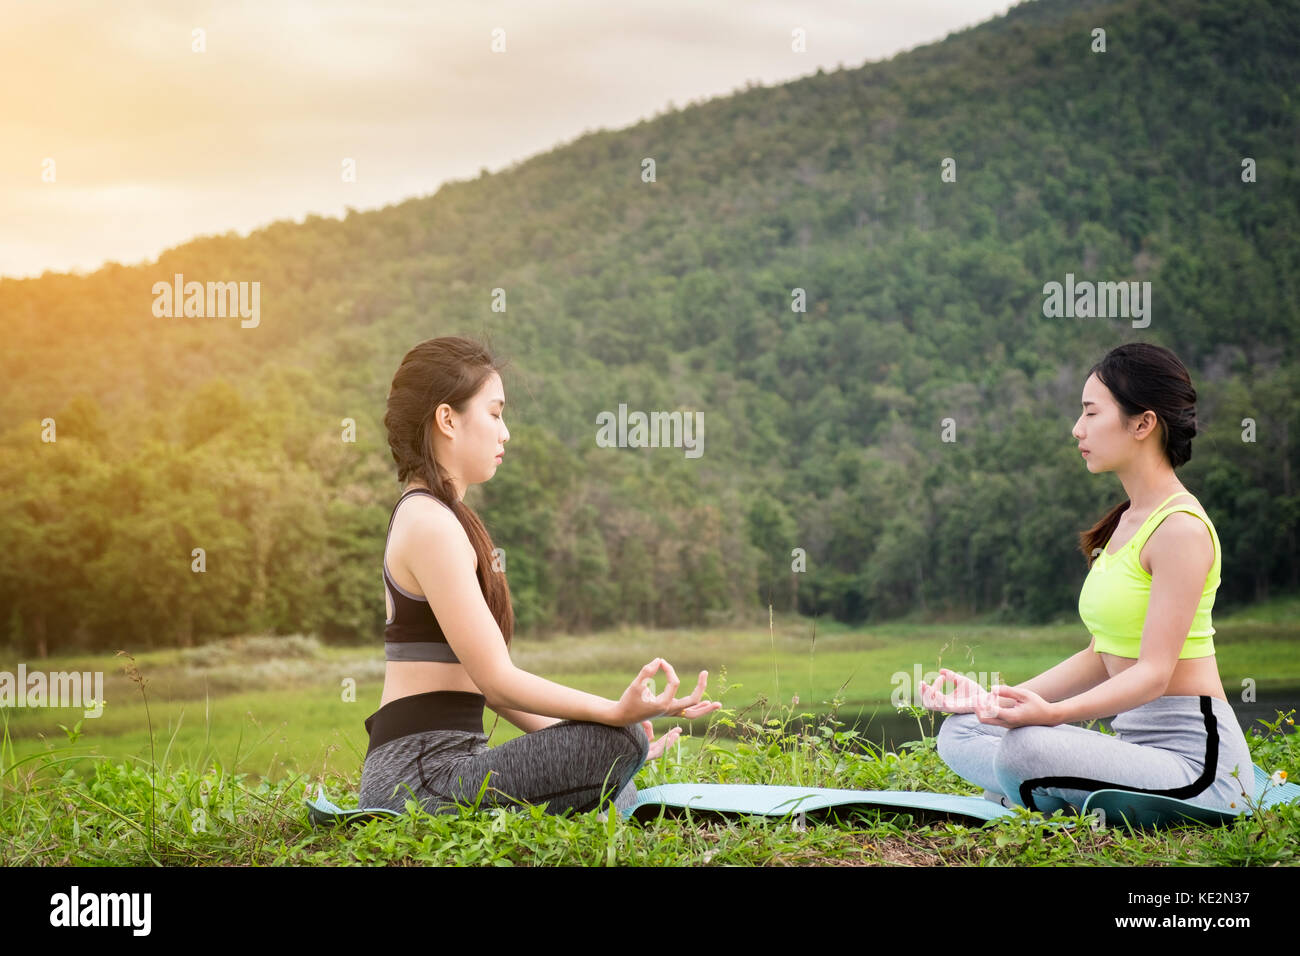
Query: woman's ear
[444, 420]
[1144, 424]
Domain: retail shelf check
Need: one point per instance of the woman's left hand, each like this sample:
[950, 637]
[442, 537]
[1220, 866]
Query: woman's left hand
[657, 747]
[1025, 708]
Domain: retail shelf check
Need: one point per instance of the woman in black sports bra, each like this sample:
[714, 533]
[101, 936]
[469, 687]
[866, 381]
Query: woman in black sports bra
[450, 623]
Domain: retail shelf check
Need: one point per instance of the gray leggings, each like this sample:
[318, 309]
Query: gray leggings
[572, 765]
[1184, 747]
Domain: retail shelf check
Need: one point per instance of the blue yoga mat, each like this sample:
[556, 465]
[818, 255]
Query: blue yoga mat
[736, 799]
[1147, 811]
[778, 801]
[1119, 806]
[321, 812]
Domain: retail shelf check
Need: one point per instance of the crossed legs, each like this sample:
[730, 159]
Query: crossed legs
[572, 765]
[1034, 766]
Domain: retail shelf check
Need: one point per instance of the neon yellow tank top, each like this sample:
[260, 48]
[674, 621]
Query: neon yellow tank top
[1113, 601]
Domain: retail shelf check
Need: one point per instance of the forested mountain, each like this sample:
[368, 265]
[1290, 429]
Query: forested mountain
[824, 429]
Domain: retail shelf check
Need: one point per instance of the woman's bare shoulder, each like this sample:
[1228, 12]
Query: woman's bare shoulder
[1178, 537]
[1188, 500]
[423, 521]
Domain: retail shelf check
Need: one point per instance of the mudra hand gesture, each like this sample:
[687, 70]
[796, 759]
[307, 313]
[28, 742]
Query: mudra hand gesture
[967, 696]
[640, 703]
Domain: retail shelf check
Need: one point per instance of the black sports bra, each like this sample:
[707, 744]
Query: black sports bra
[412, 633]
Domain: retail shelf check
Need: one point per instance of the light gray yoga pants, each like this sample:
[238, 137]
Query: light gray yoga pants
[572, 765]
[1184, 747]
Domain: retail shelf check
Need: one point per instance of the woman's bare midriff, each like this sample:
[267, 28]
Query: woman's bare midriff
[1192, 677]
[404, 678]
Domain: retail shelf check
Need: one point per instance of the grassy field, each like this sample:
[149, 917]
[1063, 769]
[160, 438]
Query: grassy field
[207, 760]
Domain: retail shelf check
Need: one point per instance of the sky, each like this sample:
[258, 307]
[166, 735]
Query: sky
[123, 131]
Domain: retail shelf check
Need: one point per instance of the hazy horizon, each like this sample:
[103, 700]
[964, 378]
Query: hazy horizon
[153, 144]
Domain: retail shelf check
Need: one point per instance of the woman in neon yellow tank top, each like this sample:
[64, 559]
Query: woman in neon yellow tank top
[1154, 568]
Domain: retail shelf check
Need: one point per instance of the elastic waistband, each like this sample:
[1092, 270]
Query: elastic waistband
[437, 651]
[434, 710]
[1188, 703]
[1178, 709]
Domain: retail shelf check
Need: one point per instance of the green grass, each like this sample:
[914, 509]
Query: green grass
[207, 762]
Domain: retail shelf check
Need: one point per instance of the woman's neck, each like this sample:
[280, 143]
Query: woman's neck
[1148, 487]
[410, 485]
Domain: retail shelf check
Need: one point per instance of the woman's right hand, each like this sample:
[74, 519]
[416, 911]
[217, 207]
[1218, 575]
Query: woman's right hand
[639, 703]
